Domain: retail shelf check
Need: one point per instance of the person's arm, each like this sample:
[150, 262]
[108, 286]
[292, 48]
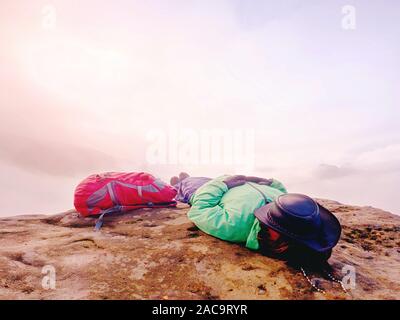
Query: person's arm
[212, 218]
[259, 180]
[273, 183]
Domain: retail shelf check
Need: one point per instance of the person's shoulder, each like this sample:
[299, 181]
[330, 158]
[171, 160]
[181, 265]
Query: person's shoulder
[272, 191]
[276, 184]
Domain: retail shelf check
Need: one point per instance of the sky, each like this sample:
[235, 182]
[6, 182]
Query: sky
[306, 92]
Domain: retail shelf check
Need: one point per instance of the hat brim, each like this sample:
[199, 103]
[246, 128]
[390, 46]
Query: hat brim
[324, 239]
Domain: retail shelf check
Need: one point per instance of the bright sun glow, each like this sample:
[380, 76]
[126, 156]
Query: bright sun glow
[72, 68]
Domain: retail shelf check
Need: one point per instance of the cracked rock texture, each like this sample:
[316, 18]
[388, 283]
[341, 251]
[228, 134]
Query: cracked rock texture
[160, 254]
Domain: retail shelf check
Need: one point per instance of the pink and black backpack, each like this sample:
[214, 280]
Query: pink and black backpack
[110, 192]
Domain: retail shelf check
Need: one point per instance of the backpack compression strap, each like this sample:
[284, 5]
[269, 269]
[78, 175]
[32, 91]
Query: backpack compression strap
[119, 208]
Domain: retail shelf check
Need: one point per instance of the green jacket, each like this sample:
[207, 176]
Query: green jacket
[229, 214]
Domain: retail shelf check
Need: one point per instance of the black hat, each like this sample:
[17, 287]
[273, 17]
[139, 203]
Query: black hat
[302, 219]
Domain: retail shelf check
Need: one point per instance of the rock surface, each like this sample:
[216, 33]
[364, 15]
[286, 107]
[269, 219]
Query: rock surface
[160, 254]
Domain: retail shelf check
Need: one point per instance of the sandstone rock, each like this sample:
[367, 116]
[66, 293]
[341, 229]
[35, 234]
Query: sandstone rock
[160, 254]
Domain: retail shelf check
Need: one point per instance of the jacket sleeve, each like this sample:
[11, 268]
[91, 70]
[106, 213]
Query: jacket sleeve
[209, 215]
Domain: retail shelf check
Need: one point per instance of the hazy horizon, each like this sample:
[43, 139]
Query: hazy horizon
[87, 85]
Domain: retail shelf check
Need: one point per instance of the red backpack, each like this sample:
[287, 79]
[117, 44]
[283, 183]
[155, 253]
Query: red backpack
[101, 194]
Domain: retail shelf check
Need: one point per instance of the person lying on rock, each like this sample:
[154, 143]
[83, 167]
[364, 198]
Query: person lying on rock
[262, 215]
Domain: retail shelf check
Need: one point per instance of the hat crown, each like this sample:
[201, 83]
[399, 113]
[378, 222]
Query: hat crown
[298, 205]
[298, 213]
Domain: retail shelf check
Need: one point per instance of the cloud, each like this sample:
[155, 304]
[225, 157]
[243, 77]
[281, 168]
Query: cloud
[378, 160]
[329, 171]
[52, 157]
[383, 159]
